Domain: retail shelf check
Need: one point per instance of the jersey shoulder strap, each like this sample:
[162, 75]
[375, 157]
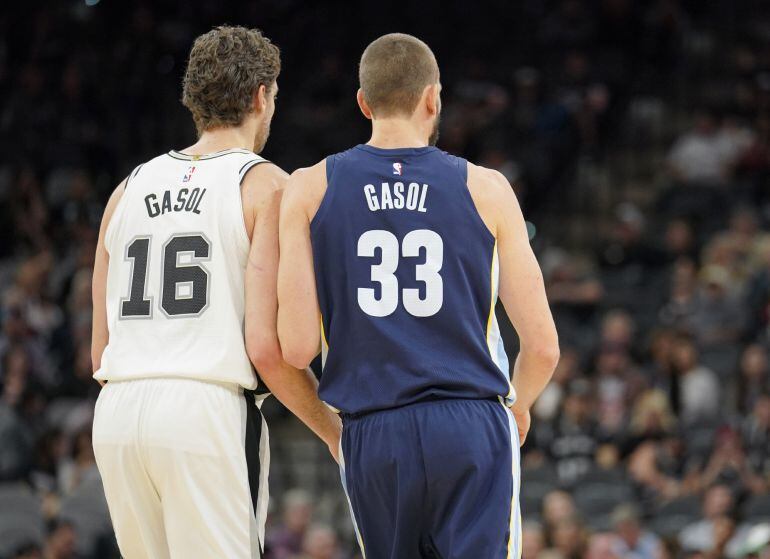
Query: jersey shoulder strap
[249, 164]
[460, 163]
[132, 174]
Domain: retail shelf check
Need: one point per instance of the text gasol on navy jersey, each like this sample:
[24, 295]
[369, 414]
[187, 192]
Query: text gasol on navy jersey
[396, 196]
[178, 248]
[407, 279]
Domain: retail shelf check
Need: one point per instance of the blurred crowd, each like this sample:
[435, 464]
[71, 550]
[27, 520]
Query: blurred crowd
[637, 136]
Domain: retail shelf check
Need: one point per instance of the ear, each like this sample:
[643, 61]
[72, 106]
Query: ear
[432, 101]
[362, 104]
[260, 99]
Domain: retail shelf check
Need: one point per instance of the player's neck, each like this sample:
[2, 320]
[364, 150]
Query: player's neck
[220, 139]
[397, 133]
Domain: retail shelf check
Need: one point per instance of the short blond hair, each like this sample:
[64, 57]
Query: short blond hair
[394, 71]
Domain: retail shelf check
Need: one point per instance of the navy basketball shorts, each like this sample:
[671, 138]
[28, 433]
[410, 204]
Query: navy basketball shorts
[436, 479]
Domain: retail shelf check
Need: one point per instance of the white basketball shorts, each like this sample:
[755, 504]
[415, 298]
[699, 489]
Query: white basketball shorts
[184, 465]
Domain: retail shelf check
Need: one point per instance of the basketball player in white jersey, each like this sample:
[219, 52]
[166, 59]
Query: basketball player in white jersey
[184, 296]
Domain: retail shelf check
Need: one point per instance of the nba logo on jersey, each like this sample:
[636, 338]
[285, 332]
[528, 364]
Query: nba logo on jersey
[397, 169]
[188, 176]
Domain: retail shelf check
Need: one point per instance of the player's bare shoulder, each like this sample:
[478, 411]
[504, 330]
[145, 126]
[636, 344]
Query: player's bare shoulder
[306, 188]
[261, 190]
[490, 191]
[263, 179]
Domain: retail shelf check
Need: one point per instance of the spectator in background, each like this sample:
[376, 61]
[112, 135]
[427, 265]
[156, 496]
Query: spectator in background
[700, 156]
[627, 257]
[734, 139]
[630, 541]
[320, 542]
[569, 537]
[557, 506]
[682, 291]
[717, 317]
[550, 401]
[81, 464]
[699, 390]
[618, 330]
[758, 294]
[746, 236]
[649, 466]
[25, 210]
[60, 543]
[679, 240]
[601, 546]
[612, 381]
[756, 435]
[573, 438]
[651, 416]
[286, 541]
[574, 292]
[28, 551]
[658, 367]
[532, 539]
[753, 377]
[705, 534]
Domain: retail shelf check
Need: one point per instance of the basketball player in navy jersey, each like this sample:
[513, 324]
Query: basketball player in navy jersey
[401, 250]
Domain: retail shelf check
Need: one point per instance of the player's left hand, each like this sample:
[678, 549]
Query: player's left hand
[523, 421]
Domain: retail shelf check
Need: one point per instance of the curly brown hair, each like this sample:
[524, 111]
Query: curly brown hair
[225, 69]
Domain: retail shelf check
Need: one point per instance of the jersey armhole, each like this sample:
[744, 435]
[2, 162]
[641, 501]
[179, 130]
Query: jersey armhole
[248, 166]
[131, 176]
[109, 233]
[242, 172]
[323, 207]
[462, 168]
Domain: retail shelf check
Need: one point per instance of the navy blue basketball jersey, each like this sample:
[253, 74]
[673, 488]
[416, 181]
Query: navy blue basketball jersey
[406, 272]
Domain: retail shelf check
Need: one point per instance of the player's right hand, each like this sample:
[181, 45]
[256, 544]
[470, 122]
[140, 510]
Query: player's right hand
[523, 420]
[334, 448]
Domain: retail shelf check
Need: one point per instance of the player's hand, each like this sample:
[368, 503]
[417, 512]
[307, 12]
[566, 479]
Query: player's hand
[334, 448]
[523, 420]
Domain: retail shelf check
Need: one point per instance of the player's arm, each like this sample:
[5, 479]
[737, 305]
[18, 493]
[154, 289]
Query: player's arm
[297, 389]
[99, 332]
[522, 292]
[299, 326]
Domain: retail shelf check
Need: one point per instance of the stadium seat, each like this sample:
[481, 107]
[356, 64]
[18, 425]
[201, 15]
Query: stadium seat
[602, 475]
[21, 518]
[670, 518]
[536, 483]
[757, 509]
[86, 509]
[699, 436]
[600, 498]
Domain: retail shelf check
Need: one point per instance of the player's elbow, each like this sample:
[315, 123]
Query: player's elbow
[299, 355]
[265, 355]
[299, 344]
[547, 353]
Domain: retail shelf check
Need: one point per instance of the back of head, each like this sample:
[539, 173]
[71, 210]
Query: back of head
[393, 72]
[226, 67]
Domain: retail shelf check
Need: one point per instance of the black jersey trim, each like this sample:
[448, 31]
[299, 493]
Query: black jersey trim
[186, 157]
[248, 166]
[251, 445]
[132, 175]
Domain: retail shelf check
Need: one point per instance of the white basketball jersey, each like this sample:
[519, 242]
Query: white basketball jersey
[178, 249]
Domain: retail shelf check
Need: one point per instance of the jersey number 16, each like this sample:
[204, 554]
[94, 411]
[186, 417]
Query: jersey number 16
[184, 286]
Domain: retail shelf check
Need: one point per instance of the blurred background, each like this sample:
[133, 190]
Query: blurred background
[637, 135]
